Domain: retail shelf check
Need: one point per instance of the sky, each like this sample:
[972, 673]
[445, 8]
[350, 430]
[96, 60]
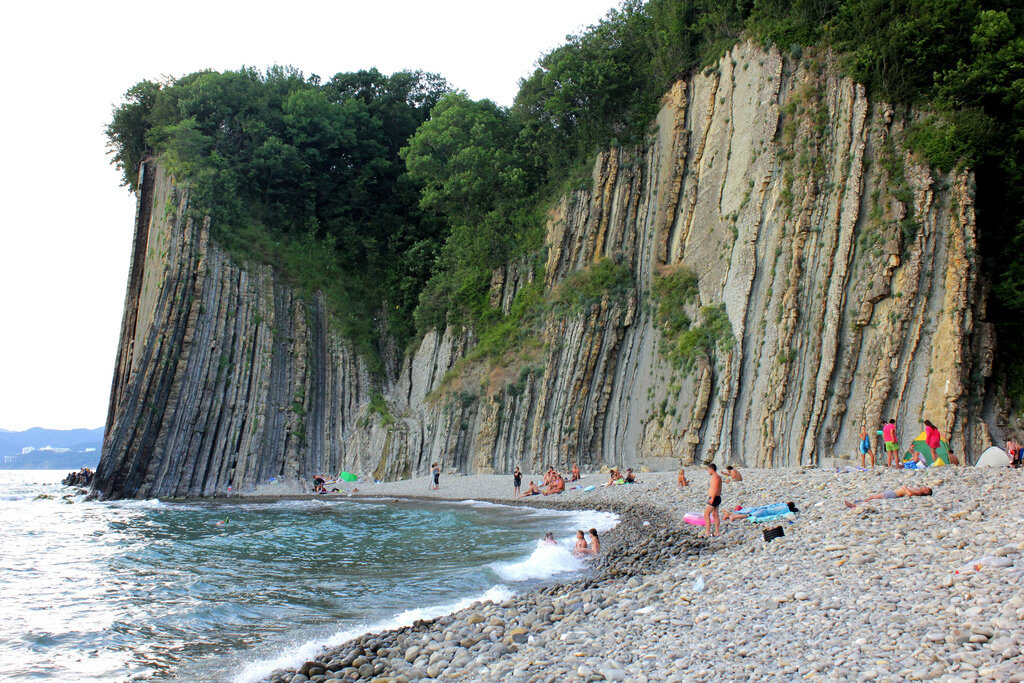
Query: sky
[65, 222]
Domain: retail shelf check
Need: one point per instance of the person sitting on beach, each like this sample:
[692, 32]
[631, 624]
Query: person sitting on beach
[549, 476]
[318, 484]
[581, 544]
[614, 477]
[629, 478]
[557, 485]
[890, 494]
[681, 479]
[714, 500]
[760, 511]
[531, 490]
[733, 473]
[919, 458]
[575, 472]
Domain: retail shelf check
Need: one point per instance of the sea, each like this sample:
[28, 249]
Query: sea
[144, 590]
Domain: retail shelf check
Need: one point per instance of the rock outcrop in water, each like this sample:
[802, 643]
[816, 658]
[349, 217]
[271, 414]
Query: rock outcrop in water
[846, 270]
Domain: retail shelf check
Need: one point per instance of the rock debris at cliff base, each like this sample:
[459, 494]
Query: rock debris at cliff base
[868, 593]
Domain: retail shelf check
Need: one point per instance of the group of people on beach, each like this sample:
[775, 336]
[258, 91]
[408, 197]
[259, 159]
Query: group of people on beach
[553, 482]
[731, 473]
[615, 477]
[932, 438]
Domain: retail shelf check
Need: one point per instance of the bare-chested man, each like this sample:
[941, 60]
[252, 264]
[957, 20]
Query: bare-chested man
[733, 473]
[714, 500]
[890, 494]
[531, 490]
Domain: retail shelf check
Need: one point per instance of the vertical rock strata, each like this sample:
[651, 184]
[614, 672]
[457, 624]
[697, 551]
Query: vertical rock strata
[846, 268]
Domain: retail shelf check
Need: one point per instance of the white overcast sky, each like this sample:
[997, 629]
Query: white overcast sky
[66, 225]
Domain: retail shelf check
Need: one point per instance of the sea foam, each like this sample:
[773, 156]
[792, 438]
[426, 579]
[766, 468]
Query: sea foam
[305, 651]
[547, 560]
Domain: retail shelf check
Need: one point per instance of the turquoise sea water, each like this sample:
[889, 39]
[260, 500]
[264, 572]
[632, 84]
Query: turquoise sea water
[149, 590]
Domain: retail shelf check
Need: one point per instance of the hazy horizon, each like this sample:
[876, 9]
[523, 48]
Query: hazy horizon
[68, 225]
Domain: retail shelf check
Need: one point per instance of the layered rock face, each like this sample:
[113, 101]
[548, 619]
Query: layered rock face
[846, 271]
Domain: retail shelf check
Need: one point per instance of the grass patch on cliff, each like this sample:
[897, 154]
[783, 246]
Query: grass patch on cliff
[511, 344]
[673, 293]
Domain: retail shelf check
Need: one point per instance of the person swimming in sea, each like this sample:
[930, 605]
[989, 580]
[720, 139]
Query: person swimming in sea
[581, 544]
[595, 544]
[549, 538]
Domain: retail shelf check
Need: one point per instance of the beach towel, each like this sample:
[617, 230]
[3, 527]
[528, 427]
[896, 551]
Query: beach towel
[771, 518]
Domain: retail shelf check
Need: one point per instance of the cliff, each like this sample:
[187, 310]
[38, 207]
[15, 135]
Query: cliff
[842, 270]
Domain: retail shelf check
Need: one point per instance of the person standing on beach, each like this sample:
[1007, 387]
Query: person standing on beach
[435, 470]
[714, 500]
[865, 448]
[933, 438]
[892, 446]
[517, 481]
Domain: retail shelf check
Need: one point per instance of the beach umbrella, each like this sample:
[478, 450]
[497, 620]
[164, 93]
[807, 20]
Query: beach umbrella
[921, 446]
[347, 476]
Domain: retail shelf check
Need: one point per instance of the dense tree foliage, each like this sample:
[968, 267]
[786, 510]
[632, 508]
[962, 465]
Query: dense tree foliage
[302, 174]
[392, 189]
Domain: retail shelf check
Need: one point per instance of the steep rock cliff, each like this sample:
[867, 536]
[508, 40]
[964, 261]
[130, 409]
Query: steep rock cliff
[846, 270]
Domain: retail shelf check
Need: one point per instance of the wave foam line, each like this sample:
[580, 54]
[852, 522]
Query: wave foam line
[303, 652]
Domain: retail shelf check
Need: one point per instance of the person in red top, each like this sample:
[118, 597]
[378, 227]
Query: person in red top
[892, 446]
[934, 440]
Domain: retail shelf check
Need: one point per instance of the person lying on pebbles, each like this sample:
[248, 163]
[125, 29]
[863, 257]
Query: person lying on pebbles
[760, 511]
[890, 494]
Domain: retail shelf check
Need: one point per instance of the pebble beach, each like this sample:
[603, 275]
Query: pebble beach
[923, 588]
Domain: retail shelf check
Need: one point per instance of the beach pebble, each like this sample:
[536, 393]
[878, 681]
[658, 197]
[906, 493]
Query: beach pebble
[820, 588]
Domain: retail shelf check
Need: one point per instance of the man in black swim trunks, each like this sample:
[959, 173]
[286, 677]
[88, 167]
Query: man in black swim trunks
[714, 500]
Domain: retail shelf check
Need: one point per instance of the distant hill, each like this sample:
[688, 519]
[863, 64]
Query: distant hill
[41, 449]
